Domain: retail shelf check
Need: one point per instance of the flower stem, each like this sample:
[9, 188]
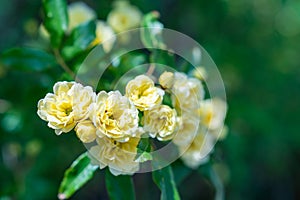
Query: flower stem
[150, 70]
[63, 64]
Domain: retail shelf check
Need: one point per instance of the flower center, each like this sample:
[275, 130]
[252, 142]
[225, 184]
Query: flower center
[68, 111]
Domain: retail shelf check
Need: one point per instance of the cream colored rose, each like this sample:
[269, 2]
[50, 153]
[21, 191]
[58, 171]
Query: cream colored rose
[124, 17]
[104, 35]
[83, 97]
[188, 126]
[66, 106]
[166, 80]
[114, 116]
[142, 92]
[186, 92]
[212, 113]
[78, 13]
[118, 156]
[86, 131]
[160, 122]
[200, 73]
[199, 150]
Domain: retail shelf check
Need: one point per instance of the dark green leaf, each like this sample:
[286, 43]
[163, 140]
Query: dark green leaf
[79, 40]
[181, 171]
[163, 57]
[143, 150]
[56, 19]
[151, 34]
[211, 174]
[76, 176]
[27, 59]
[119, 187]
[164, 179]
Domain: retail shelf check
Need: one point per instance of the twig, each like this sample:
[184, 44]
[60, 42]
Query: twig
[217, 183]
[62, 63]
[150, 70]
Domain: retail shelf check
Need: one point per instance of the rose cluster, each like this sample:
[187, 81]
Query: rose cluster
[116, 122]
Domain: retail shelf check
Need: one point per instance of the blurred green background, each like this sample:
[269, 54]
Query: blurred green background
[255, 44]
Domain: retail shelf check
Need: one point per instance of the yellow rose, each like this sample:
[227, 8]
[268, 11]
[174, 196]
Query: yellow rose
[199, 150]
[118, 156]
[104, 33]
[188, 126]
[212, 113]
[83, 97]
[160, 122]
[142, 92]
[200, 73]
[186, 92]
[114, 116]
[79, 13]
[86, 131]
[66, 106]
[166, 80]
[124, 17]
[219, 133]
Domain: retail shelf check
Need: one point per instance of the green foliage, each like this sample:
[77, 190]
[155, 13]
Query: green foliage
[79, 40]
[143, 150]
[164, 179]
[56, 19]
[27, 59]
[119, 187]
[76, 176]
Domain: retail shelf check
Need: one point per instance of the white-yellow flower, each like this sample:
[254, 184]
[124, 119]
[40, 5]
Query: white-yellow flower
[66, 106]
[160, 122]
[187, 129]
[166, 80]
[83, 97]
[86, 131]
[212, 113]
[199, 150]
[79, 13]
[186, 92]
[114, 116]
[200, 73]
[118, 156]
[104, 35]
[124, 17]
[143, 93]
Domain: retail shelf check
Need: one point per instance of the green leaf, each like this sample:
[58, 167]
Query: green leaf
[181, 171]
[163, 57]
[143, 150]
[56, 19]
[151, 34]
[164, 179]
[76, 176]
[79, 40]
[119, 187]
[27, 59]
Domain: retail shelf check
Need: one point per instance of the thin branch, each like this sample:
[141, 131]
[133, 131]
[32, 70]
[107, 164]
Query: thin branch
[151, 69]
[217, 183]
[63, 64]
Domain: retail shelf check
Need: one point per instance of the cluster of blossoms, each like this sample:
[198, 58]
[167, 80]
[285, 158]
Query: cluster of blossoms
[123, 17]
[114, 123]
